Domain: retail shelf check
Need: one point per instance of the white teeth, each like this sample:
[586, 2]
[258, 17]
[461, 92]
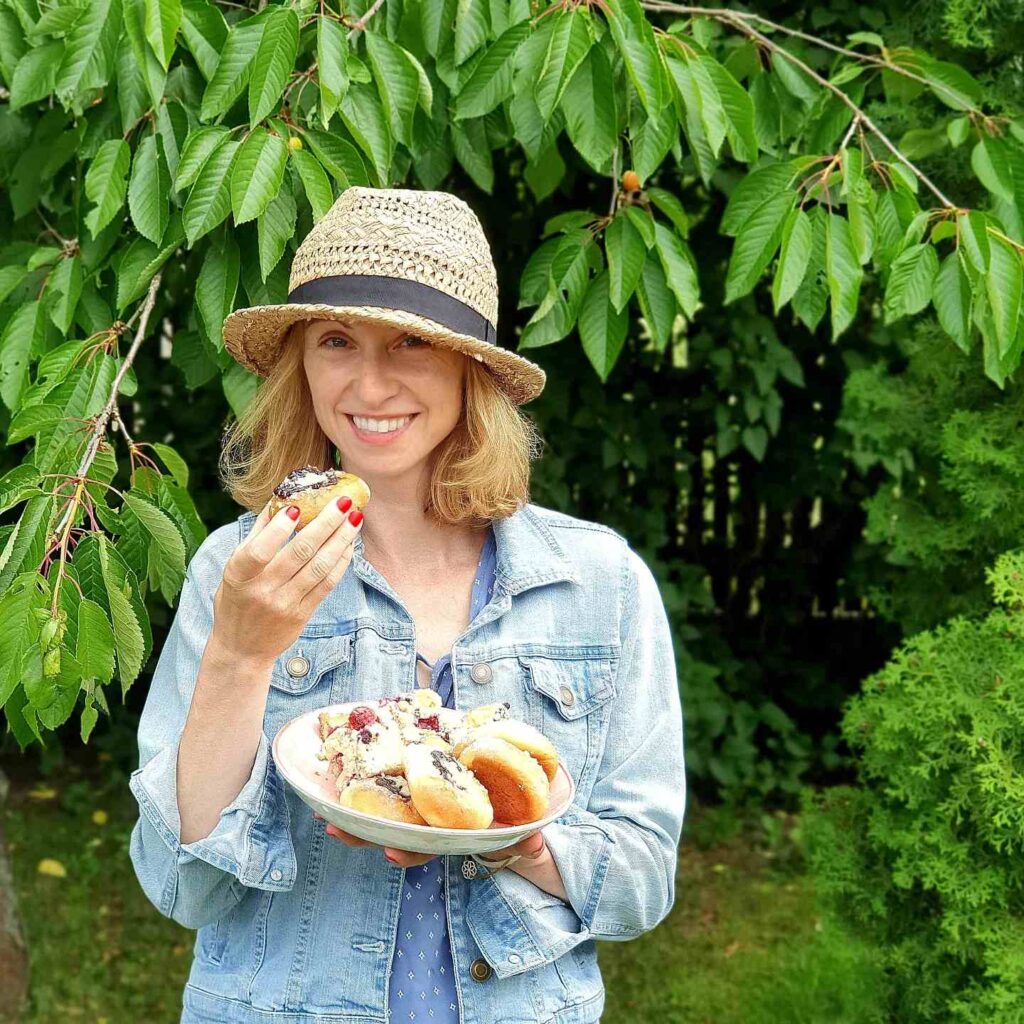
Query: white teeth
[380, 426]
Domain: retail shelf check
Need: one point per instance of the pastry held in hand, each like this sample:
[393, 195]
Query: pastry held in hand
[516, 784]
[445, 792]
[312, 489]
[520, 735]
[385, 796]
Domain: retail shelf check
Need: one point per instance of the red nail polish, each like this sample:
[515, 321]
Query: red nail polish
[293, 512]
[344, 503]
[355, 518]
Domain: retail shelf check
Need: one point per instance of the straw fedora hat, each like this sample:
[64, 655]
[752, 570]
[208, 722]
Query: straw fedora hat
[408, 258]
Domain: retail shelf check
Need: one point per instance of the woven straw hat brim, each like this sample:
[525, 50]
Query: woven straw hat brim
[254, 335]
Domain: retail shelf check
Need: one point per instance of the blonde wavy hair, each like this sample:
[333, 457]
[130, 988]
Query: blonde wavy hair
[480, 472]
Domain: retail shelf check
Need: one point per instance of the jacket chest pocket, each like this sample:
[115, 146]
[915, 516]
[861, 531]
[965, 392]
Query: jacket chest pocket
[569, 700]
[304, 677]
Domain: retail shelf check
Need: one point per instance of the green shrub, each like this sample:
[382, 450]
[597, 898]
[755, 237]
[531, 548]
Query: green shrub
[925, 859]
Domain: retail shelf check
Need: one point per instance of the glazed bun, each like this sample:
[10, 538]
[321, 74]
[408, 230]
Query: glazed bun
[520, 735]
[444, 791]
[516, 784]
[384, 796]
[312, 489]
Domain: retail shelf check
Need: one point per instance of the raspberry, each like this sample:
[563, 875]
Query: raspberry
[365, 735]
[429, 722]
[360, 717]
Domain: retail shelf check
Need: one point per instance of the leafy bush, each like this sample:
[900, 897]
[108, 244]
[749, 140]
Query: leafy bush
[927, 859]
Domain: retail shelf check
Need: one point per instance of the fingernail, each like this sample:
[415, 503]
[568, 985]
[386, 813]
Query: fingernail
[293, 512]
[344, 503]
[355, 518]
[318, 816]
[390, 858]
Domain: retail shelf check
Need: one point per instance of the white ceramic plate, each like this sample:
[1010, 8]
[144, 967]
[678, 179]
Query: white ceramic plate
[295, 748]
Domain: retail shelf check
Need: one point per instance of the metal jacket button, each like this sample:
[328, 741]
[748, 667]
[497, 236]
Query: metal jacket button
[481, 673]
[297, 666]
[276, 874]
[480, 970]
[568, 697]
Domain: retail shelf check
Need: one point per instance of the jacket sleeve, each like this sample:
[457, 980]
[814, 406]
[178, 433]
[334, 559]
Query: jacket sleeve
[250, 846]
[617, 857]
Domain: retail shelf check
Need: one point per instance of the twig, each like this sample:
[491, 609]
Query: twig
[741, 25]
[101, 420]
[360, 24]
[615, 177]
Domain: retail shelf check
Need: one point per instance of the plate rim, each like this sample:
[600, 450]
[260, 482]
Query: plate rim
[406, 826]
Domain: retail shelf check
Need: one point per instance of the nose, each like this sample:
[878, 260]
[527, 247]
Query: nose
[374, 381]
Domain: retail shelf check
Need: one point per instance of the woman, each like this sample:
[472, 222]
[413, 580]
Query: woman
[384, 359]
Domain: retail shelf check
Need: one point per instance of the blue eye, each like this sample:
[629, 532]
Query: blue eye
[334, 337]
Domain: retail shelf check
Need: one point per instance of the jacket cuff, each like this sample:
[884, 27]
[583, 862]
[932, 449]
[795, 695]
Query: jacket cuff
[252, 837]
[517, 925]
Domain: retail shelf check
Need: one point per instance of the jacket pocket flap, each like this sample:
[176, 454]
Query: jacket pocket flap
[577, 686]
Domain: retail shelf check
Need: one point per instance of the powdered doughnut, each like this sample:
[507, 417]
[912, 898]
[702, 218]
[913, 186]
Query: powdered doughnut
[520, 735]
[384, 796]
[444, 791]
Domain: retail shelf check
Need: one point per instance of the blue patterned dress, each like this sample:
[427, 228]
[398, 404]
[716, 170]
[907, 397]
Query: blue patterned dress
[422, 986]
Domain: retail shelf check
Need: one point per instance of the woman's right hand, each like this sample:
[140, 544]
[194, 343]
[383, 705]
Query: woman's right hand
[270, 589]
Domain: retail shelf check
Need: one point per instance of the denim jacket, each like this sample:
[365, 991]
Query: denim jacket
[296, 927]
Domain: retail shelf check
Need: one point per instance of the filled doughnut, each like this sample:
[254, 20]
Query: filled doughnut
[444, 791]
[520, 735]
[516, 784]
[312, 489]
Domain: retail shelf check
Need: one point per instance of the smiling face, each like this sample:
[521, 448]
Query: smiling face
[386, 397]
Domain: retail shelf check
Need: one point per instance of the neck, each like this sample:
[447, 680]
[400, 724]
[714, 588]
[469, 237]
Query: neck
[398, 533]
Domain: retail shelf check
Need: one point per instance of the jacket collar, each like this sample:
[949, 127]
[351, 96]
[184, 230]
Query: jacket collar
[526, 554]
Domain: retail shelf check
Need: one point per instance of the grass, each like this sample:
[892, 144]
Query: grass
[742, 945]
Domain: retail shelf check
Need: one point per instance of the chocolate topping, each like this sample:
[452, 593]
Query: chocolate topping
[388, 783]
[293, 483]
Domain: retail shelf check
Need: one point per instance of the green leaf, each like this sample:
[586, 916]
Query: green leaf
[174, 462]
[634, 39]
[755, 440]
[811, 298]
[844, 273]
[204, 30]
[32, 419]
[239, 387]
[398, 84]
[974, 239]
[680, 269]
[216, 287]
[95, 650]
[199, 144]
[470, 29]
[909, 288]
[89, 50]
[602, 328]
[21, 630]
[567, 46]
[18, 340]
[670, 205]
[751, 191]
[331, 51]
[589, 106]
[35, 75]
[796, 82]
[105, 183]
[1003, 284]
[491, 79]
[958, 130]
[338, 157]
[952, 298]
[163, 18]
[738, 107]
[625, 251]
[209, 202]
[150, 72]
[275, 226]
[367, 123]
[168, 549]
[26, 546]
[257, 173]
[233, 69]
[642, 221]
[65, 286]
[756, 244]
[990, 164]
[952, 84]
[128, 638]
[315, 182]
[17, 484]
[469, 142]
[274, 61]
[149, 190]
[656, 301]
[794, 256]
